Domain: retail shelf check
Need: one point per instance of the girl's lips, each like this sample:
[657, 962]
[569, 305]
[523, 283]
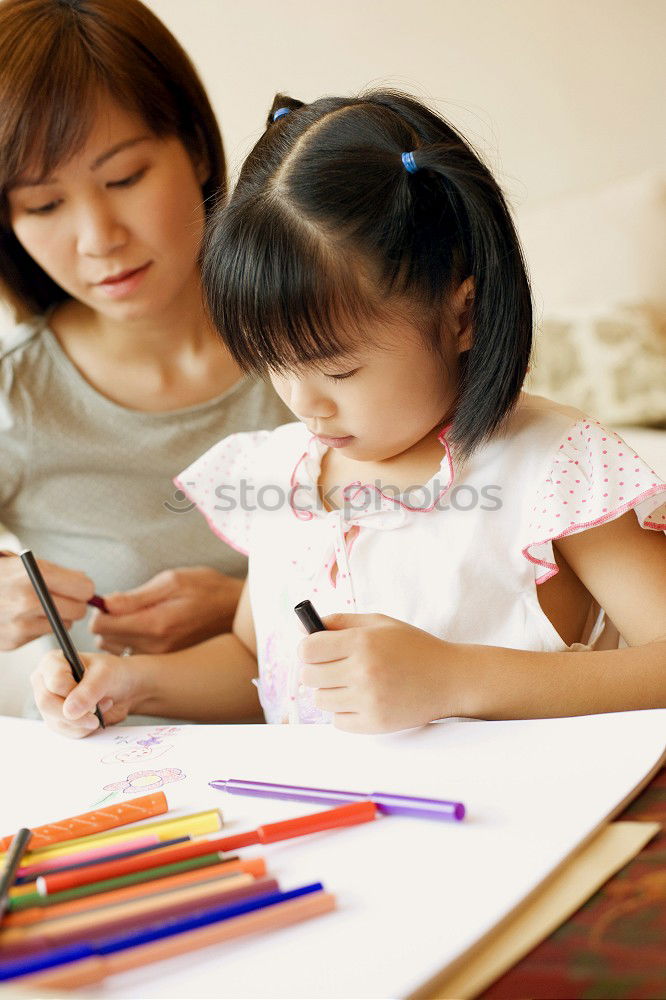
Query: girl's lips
[124, 283]
[335, 442]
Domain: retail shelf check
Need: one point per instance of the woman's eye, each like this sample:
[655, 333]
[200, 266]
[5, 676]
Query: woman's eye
[43, 209]
[126, 182]
[338, 378]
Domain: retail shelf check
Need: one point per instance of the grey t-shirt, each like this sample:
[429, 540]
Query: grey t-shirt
[87, 483]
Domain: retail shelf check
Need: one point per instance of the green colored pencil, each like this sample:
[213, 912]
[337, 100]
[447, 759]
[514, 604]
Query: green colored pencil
[176, 868]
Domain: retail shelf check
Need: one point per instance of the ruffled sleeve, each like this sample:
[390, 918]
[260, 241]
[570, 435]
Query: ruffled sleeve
[220, 483]
[593, 477]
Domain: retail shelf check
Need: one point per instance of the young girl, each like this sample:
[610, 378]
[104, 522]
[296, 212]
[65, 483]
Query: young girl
[110, 157]
[475, 548]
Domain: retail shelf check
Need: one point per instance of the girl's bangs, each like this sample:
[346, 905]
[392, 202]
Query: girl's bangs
[283, 297]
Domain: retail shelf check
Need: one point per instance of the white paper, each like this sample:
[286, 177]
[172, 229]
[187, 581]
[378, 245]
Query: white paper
[413, 895]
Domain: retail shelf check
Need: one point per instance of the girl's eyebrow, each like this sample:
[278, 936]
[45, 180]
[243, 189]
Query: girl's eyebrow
[95, 165]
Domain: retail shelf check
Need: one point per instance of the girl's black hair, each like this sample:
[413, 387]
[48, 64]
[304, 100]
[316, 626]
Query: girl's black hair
[327, 229]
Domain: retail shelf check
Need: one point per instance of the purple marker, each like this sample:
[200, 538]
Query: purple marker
[386, 802]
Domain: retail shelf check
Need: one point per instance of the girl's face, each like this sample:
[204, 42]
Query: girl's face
[383, 398]
[118, 226]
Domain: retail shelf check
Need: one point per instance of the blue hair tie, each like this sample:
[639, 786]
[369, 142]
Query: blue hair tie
[280, 113]
[409, 163]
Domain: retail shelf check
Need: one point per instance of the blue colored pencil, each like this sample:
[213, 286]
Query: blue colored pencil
[29, 965]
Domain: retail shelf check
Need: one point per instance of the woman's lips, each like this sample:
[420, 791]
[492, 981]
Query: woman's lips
[332, 442]
[124, 283]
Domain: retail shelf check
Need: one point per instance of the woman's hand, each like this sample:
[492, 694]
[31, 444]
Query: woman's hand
[68, 707]
[176, 609]
[21, 615]
[379, 675]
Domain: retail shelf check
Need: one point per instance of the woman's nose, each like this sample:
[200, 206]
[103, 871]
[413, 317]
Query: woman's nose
[100, 233]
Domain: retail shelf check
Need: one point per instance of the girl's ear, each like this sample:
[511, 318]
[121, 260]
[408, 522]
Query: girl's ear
[462, 301]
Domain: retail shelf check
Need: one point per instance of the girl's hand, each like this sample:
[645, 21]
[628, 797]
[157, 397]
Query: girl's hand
[379, 675]
[175, 609]
[21, 615]
[68, 707]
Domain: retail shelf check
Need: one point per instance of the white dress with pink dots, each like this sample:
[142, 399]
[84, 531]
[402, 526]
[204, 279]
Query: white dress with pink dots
[460, 557]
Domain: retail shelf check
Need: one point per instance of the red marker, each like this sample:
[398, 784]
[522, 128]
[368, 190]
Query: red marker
[347, 815]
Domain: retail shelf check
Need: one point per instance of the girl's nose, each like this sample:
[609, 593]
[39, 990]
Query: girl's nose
[100, 233]
[308, 401]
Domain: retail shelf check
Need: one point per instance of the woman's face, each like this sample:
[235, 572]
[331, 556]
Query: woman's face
[119, 226]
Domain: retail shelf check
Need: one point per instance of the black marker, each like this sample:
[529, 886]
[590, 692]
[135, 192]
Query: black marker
[15, 853]
[309, 617]
[55, 621]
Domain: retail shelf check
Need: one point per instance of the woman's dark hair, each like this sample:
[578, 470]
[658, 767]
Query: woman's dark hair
[327, 228]
[58, 56]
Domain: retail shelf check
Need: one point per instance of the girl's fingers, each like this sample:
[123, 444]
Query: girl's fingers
[334, 699]
[348, 722]
[50, 707]
[56, 674]
[325, 675]
[325, 647]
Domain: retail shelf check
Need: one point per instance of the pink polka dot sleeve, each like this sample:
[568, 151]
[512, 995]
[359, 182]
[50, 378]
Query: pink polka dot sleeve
[594, 477]
[220, 485]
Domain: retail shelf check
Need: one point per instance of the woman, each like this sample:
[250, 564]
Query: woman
[110, 158]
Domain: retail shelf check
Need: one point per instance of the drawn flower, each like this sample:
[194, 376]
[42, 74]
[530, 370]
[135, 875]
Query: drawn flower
[145, 781]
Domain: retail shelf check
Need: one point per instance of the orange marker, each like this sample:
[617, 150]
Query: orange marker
[93, 970]
[95, 822]
[347, 815]
[253, 866]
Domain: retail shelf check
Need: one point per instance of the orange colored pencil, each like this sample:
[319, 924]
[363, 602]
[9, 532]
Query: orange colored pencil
[253, 866]
[94, 822]
[93, 970]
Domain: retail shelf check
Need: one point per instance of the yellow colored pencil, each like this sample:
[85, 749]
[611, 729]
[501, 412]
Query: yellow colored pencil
[195, 825]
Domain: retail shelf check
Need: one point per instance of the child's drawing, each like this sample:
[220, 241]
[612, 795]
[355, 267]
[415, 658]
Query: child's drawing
[132, 749]
[145, 781]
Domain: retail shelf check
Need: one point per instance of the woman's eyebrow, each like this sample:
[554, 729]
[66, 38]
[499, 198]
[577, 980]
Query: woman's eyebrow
[118, 148]
[95, 165]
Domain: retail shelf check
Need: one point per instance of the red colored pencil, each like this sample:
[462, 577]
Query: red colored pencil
[347, 815]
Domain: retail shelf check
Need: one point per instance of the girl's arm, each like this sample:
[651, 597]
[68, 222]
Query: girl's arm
[211, 682]
[377, 674]
[624, 568]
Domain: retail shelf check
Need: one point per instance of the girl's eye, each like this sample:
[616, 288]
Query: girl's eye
[126, 182]
[338, 378]
[43, 209]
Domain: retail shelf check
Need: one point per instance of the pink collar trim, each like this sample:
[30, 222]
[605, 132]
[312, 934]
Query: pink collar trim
[306, 475]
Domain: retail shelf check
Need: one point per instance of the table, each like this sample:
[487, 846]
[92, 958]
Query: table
[615, 945]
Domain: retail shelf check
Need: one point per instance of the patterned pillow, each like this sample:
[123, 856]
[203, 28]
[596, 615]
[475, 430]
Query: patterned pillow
[608, 363]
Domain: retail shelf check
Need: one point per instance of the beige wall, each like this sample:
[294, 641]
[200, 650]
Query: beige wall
[560, 95]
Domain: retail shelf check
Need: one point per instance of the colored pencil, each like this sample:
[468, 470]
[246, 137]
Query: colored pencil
[86, 859]
[195, 825]
[108, 885]
[48, 933]
[94, 970]
[18, 846]
[97, 821]
[65, 916]
[13, 969]
[253, 866]
[357, 812]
